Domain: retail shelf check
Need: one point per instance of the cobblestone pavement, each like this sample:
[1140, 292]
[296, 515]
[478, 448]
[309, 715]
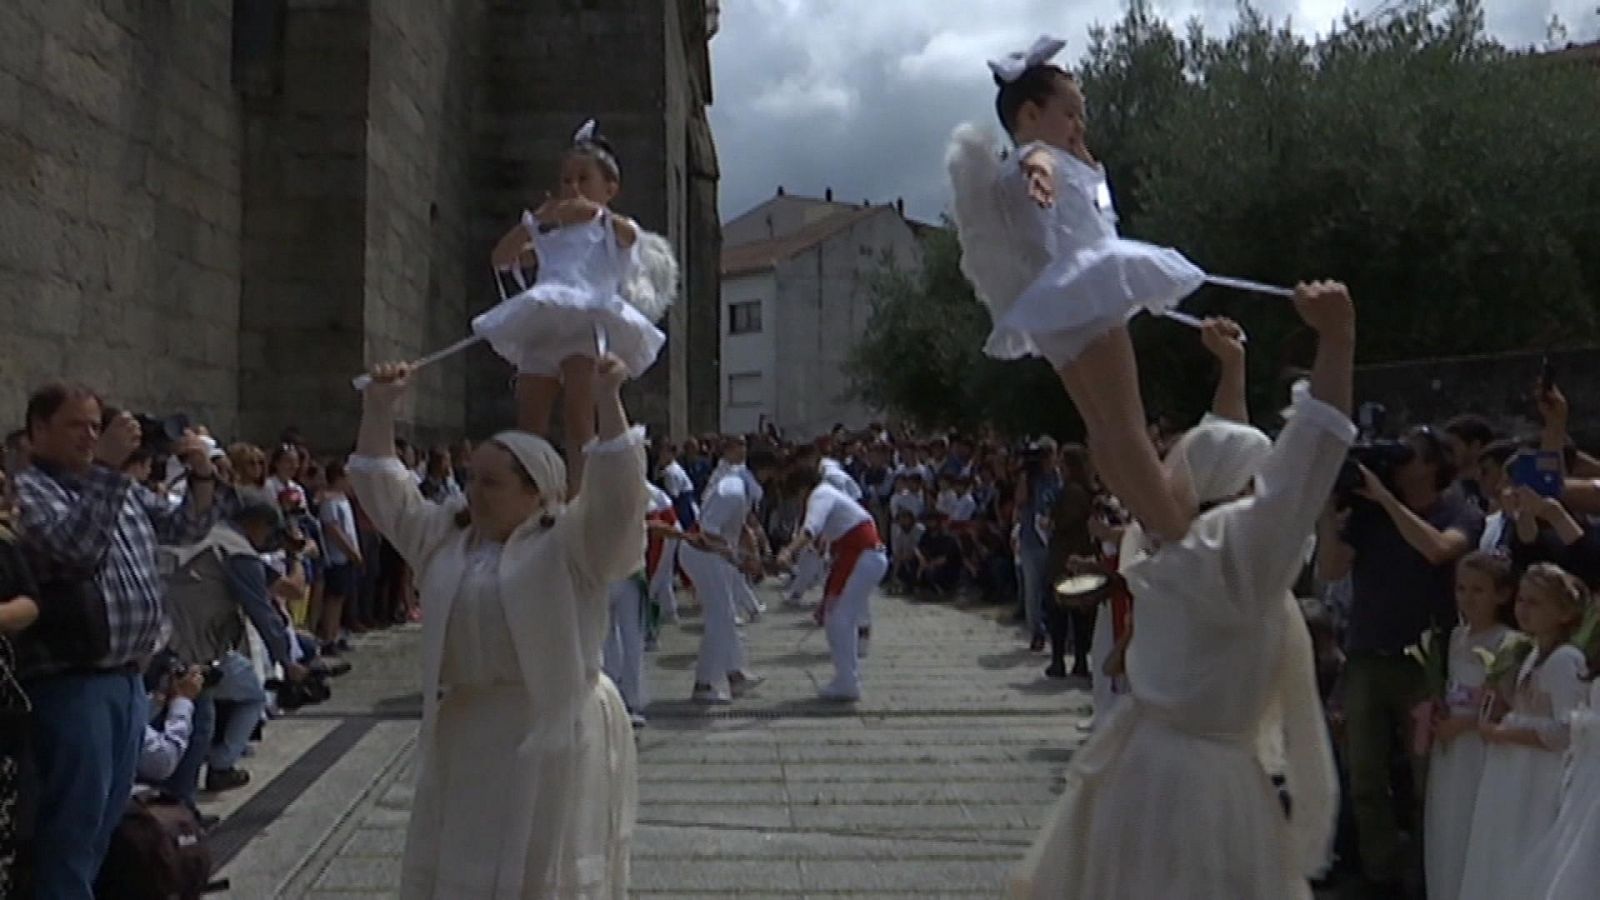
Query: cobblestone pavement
[930, 787]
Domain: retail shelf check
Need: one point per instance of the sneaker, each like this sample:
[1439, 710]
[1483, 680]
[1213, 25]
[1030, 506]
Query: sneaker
[636, 720]
[710, 696]
[218, 780]
[741, 683]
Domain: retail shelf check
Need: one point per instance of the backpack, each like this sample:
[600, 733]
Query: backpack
[158, 852]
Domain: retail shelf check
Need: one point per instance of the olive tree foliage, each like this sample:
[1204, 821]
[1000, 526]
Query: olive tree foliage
[1452, 182]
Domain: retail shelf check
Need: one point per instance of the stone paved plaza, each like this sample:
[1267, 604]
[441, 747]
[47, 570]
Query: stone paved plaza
[930, 787]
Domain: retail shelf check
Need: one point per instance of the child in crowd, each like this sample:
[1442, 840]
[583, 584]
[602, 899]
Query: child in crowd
[1485, 583]
[1520, 793]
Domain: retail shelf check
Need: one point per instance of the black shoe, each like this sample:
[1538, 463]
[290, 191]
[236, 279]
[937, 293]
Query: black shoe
[1056, 670]
[1036, 645]
[208, 822]
[226, 779]
[1080, 670]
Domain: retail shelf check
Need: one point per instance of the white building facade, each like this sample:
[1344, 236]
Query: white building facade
[796, 297]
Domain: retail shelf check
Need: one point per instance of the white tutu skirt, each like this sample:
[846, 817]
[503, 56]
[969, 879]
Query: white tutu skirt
[1454, 773]
[1080, 296]
[547, 323]
[1518, 800]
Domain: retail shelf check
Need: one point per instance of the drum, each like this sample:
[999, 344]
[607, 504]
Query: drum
[1083, 591]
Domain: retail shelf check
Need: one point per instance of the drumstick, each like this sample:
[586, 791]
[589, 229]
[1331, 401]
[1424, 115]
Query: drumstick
[1254, 287]
[360, 382]
[1195, 322]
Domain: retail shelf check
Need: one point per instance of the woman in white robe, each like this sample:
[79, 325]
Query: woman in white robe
[525, 777]
[1171, 796]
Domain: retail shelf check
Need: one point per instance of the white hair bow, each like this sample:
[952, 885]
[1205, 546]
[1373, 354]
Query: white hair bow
[585, 134]
[1011, 66]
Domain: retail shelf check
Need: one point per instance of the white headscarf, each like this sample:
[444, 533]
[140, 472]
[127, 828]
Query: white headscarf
[542, 463]
[1219, 457]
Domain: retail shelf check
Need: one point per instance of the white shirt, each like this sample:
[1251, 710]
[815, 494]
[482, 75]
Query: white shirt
[831, 514]
[675, 480]
[1494, 527]
[338, 514]
[726, 506]
[962, 508]
[833, 473]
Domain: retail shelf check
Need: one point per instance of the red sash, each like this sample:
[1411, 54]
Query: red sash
[1121, 601]
[845, 551]
[652, 553]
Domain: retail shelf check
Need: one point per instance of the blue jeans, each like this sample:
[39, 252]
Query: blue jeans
[88, 731]
[247, 699]
[1036, 586]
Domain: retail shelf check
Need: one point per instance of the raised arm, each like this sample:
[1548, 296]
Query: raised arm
[385, 488]
[1225, 340]
[1269, 537]
[606, 535]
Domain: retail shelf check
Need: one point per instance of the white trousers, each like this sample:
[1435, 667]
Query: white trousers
[623, 654]
[745, 596]
[661, 583]
[809, 571]
[721, 649]
[846, 617]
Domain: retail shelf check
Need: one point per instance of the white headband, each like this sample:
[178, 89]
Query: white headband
[1011, 66]
[585, 137]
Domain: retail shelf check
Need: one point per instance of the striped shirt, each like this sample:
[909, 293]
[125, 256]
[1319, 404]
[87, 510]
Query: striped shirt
[97, 526]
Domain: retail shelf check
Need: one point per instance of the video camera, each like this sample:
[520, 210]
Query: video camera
[166, 668]
[156, 435]
[1380, 457]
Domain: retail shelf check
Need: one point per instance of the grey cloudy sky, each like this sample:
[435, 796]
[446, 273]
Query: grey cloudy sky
[860, 95]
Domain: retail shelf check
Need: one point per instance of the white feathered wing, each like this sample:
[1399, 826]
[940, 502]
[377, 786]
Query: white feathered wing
[650, 284]
[998, 253]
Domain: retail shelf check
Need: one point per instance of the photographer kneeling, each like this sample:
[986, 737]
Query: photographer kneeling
[212, 587]
[1398, 540]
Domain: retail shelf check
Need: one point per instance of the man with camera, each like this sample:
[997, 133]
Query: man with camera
[177, 688]
[91, 539]
[216, 586]
[1397, 539]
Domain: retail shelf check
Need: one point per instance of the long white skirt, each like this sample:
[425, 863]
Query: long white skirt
[1566, 864]
[1518, 799]
[1154, 813]
[547, 323]
[475, 793]
[1454, 772]
[1080, 296]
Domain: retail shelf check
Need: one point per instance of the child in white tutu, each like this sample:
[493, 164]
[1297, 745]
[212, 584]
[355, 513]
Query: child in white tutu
[1485, 583]
[1520, 793]
[1040, 244]
[602, 283]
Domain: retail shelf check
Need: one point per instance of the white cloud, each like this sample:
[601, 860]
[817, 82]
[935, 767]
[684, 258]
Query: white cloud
[860, 95]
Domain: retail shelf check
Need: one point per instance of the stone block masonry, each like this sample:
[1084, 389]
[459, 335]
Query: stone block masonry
[120, 203]
[228, 207]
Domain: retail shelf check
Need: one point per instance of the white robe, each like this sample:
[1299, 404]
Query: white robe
[558, 782]
[1171, 797]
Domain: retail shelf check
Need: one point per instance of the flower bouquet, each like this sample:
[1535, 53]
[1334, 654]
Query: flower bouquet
[1500, 668]
[1432, 653]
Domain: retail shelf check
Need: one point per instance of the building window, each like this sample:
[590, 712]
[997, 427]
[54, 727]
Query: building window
[744, 389]
[744, 318]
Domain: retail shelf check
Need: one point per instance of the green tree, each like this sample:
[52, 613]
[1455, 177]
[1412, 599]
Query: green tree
[1452, 183]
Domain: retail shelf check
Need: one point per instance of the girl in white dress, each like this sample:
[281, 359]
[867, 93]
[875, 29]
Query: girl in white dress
[1484, 583]
[1520, 793]
[1566, 865]
[1039, 243]
[525, 759]
[585, 301]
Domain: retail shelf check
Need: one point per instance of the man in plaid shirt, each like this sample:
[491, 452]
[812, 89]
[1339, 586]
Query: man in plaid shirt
[90, 535]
